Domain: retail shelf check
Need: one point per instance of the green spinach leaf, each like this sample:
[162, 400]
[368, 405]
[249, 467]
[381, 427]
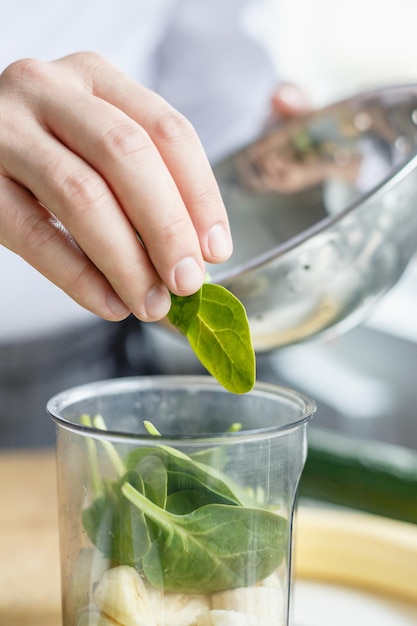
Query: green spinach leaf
[183, 472]
[187, 500]
[118, 529]
[217, 328]
[213, 548]
[153, 473]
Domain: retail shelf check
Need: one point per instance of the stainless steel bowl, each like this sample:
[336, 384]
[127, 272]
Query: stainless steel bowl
[323, 212]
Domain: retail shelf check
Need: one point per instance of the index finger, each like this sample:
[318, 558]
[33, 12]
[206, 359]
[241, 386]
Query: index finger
[163, 181]
[181, 151]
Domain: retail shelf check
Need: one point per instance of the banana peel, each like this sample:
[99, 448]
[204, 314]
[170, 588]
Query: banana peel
[356, 549]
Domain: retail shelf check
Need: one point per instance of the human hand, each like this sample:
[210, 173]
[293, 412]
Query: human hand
[289, 101]
[274, 162]
[88, 159]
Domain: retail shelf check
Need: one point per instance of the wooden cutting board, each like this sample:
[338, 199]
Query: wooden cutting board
[30, 593]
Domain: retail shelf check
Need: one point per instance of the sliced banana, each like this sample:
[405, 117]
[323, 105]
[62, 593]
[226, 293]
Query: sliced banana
[122, 595]
[234, 618]
[177, 609]
[262, 601]
[122, 598]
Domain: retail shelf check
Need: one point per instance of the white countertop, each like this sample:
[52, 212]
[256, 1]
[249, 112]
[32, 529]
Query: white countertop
[322, 604]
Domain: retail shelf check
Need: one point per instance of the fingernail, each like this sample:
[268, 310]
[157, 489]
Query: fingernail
[188, 275]
[219, 242]
[116, 305]
[157, 302]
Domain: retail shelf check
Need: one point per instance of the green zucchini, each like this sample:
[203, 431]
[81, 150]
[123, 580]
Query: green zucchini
[366, 475]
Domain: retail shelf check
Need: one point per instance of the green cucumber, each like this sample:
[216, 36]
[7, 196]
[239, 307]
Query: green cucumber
[366, 475]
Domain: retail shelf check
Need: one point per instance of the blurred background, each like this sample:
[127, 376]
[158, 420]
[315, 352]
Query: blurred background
[334, 49]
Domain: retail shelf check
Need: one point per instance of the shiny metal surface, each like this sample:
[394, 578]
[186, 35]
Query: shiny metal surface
[324, 216]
